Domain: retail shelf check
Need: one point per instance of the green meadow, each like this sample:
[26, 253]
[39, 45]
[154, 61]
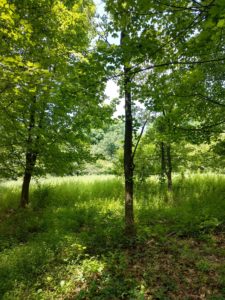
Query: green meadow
[70, 244]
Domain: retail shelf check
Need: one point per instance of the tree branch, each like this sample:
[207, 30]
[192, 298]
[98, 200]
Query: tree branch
[171, 63]
[139, 138]
[201, 97]
[202, 128]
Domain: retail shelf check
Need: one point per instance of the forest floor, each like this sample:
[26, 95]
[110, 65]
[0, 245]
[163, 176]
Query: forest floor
[69, 243]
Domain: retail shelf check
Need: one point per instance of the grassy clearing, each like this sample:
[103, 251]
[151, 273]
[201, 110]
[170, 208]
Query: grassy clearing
[69, 244]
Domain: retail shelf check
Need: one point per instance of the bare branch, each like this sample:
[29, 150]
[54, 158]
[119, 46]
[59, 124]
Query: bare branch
[139, 138]
[171, 63]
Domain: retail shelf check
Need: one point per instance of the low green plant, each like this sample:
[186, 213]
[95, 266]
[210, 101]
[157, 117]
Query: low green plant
[70, 244]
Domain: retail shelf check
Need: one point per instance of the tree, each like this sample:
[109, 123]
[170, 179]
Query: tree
[47, 102]
[105, 143]
[143, 41]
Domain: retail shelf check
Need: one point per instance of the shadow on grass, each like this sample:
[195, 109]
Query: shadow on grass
[76, 249]
[60, 239]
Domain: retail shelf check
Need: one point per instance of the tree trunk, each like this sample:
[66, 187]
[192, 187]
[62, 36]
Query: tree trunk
[128, 155]
[31, 156]
[30, 163]
[169, 168]
[163, 162]
[128, 163]
[24, 200]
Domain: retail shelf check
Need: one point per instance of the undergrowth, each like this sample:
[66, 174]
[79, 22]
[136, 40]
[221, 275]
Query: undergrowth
[69, 244]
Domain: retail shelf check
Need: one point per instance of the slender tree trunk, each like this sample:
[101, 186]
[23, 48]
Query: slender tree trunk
[128, 159]
[169, 168]
[30, 163]
[31, 157]
[128, 155]
[24, 200]
[163, 162]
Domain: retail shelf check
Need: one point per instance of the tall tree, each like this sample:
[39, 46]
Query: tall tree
[157, 38]
[47, 102]
[148, 38]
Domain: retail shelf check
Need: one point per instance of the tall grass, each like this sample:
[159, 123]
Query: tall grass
[197, 204]
[60, 191]
[74, 220]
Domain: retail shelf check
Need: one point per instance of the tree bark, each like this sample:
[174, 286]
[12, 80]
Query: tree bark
[163, 162]
[30, 164]
[128, 159]
[169, 168]
[31, 157]
[128, 155]
[24, 200]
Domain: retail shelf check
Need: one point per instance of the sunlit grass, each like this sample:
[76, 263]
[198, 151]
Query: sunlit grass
[72, 233]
